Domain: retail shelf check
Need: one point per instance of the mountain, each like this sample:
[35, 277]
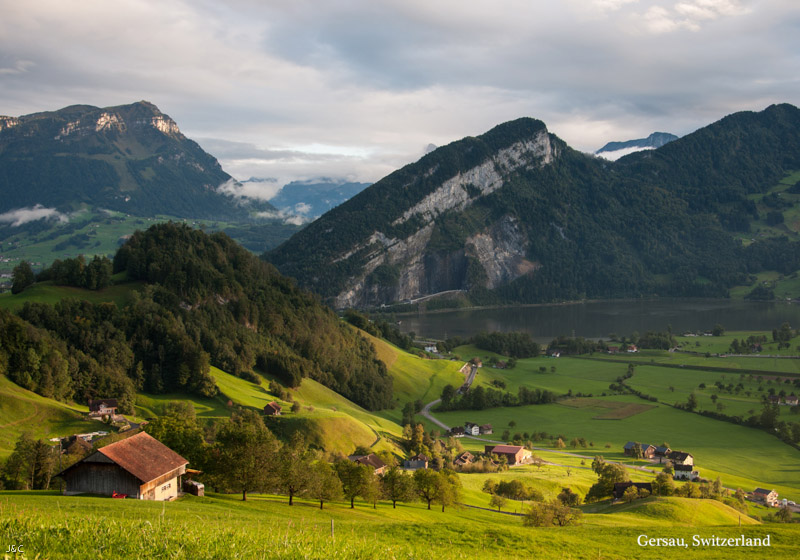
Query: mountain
[615, 150]
[516, 215]
[310, 199]
[130, 158]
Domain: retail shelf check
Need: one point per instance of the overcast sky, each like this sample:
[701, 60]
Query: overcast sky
[356, 88]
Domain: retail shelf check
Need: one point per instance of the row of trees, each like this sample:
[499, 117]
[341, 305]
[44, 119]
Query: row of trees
[480, 398]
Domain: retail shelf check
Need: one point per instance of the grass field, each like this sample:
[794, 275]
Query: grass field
[24, 411]
[52, 526]
[46, 292]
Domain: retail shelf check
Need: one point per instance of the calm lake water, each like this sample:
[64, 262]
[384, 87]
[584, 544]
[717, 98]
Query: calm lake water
[600, 318]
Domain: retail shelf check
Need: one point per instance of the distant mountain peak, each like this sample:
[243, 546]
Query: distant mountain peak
[615, 150]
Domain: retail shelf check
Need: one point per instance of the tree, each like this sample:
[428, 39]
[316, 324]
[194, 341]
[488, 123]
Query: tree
[718, 330]
[631, 493]
[497, 501]
[371, 491]
[324, 485]
[292, 468]
[691, 402]
[569, 498]
[607, 475]
[448, 488]
[426, 482]
[246, 450]
[22, 277]
[397, 486]
[178, 429]
[784, 515]
[354, 477]
[663, 485]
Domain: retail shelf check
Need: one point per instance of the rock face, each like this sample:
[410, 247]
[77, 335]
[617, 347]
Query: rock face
[404, 258]
[131, 158]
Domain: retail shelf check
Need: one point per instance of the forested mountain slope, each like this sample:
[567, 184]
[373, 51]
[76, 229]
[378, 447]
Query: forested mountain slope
[206, 301]
[516, 215]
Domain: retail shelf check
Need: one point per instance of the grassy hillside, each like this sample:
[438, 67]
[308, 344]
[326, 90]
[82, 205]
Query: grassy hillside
[46, 292]
[266, 527]
[24, 411]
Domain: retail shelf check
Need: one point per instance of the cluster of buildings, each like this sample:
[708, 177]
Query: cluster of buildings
[471, 429]
[791, 400]
[682, 462]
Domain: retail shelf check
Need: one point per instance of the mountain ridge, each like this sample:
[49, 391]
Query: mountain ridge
[131, 158]
[492, 216]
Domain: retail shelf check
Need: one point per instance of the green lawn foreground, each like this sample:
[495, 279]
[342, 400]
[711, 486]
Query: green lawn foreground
[48, 525]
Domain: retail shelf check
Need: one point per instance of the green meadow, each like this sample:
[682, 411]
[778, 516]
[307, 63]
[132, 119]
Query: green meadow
[47, 525]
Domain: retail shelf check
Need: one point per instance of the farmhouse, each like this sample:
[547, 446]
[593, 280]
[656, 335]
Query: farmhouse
[685, 472]
[791, 400]
[766, 497]
[662, 451]
[465, 458]
[272, 409]
[774, 399]
[471, 429]
[370, 460]
[140, 466]
[648, 451]
[680, 458]
[486, 429]
[516, 454]
[457, 431]
[419, 461]
[102, 407]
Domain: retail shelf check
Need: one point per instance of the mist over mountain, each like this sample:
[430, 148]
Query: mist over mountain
[615, 150]
[310, 199]
[516, 215]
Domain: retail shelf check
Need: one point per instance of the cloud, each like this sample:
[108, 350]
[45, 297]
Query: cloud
[690, 14]
[302, 208]
[22, 216]
[19, 67]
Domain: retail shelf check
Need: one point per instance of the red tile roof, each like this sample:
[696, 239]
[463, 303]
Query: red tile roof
[143, 456]
[514, 449]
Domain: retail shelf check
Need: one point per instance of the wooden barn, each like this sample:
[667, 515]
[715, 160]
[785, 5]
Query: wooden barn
[140, 467]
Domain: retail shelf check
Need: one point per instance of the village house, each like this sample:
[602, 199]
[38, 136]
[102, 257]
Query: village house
[370, 460]
[272, 409]
[766, 497]
[471, 429]
[457, 431]
[791, 400]
[419, 461]
[648, 451]
[680, 458]
[620, 487]
[632, 348]
[102, 407]
[685, 472]
[774, 399]
[515, 454]
[486, 429]
[465, 458]
[139, 466]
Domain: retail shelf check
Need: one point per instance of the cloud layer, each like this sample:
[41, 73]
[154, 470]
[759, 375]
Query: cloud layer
[355, 89]
[16, 218]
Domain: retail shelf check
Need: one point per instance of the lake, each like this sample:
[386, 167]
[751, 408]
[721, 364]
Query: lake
[598, 319]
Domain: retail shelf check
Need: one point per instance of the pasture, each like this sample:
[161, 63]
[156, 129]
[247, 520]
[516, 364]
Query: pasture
[218, 526]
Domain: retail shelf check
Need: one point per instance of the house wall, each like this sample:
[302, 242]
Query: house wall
[164, 487]
[100, 478]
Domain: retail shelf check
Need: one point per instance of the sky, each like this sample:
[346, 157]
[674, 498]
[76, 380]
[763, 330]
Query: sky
[354, 89]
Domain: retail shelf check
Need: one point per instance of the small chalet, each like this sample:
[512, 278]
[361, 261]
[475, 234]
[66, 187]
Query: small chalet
[465, 458]
[471, 429]
[685, 472]
[766, 497]
[648, 451]
[791, 400]
[680, 458]
[272, 409]
[139, 466]
[416, 462]
[516, 454]
[486, 429]
[662, 451]
[774, 399]
[457, 431]
[620, 487]
[102, 407]
[370, 460]
[632, 349]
